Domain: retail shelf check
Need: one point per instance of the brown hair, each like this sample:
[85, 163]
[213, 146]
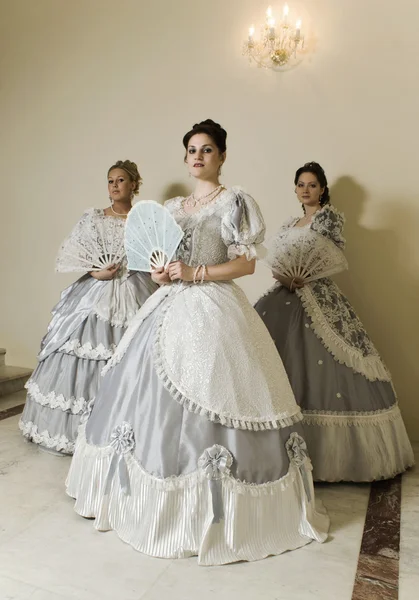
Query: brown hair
[214, 130]
[315, 169]
[131, 170]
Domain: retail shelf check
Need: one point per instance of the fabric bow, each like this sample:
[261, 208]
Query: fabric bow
[122, 442]
[87, 411]
[215, 463]
[297, 453]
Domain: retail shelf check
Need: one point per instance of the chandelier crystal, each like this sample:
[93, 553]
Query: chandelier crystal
[279, 45]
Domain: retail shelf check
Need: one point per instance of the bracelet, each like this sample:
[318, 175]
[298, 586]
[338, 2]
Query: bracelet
[204, 270]
[196, 273]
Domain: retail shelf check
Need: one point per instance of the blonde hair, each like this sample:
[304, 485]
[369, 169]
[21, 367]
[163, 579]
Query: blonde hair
[131, 170]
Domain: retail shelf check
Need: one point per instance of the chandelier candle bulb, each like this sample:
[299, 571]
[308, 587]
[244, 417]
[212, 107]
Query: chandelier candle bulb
[286, 13]
[298, 30]
[271, 24]
[251, 33]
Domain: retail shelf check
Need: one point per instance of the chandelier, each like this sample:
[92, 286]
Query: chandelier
[279, 44]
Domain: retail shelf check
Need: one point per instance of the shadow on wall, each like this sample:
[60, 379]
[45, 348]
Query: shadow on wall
[174, 190]
[383, 285]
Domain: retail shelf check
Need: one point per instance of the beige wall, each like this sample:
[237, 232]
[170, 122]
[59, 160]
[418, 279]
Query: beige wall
[83, 83]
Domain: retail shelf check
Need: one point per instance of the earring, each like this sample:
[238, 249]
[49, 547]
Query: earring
[219, 170]
[111, 200]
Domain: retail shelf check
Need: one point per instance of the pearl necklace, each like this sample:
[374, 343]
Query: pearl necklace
[118, 214]
[191, 201]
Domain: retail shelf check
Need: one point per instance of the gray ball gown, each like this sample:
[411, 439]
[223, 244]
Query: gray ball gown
[352, 422]
[87, 324]
[194, 445]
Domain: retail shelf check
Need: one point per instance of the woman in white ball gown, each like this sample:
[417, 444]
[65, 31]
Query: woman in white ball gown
[87, 323]
[194, 445]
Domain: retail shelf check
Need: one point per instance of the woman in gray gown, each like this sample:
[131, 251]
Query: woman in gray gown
[87, 323]
[353, 426]
[194, 445]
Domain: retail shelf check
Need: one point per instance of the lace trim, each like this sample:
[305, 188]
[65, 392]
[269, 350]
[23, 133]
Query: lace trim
[371, 366]
[235, 250]
[349, 419]
[75, 405]
[57, 442]
[193, 407]
[87, 350]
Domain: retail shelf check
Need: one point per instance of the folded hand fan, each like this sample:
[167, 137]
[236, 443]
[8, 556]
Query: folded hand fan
[95, 243]
[301, 252]
[152, 236]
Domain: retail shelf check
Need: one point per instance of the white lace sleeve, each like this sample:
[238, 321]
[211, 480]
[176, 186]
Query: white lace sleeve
[243, 227]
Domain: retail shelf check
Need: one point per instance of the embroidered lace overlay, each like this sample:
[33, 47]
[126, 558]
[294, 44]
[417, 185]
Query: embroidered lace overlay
[241, 384]
[335, 322]
[329, 222]
[333, 319]
[342, 317]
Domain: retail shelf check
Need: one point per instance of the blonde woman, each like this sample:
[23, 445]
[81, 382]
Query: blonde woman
[87, 324]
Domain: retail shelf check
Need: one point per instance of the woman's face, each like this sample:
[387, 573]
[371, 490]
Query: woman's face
[308, 189]
[120, 186]
[203, 157]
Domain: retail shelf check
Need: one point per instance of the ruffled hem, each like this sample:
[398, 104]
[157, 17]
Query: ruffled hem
[370, 366]
[173, 518]
[60, 443]
[227, 420]
[357, 447]
[74, 405]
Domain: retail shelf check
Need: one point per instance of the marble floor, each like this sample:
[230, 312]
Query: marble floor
[47, 552]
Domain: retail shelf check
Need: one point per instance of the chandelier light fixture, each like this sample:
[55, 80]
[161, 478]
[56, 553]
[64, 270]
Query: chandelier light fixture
[279, 45]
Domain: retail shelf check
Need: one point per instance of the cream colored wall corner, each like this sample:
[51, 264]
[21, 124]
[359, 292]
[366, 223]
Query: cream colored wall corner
[86, 82]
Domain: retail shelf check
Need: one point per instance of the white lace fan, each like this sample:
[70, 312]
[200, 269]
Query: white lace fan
[301, 252]
[152, 236]
[95, 243]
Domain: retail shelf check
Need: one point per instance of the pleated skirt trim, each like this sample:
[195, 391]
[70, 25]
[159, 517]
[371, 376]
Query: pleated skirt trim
[174, 517]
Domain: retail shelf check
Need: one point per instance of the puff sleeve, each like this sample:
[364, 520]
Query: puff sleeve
[329, 223]
[243, 227]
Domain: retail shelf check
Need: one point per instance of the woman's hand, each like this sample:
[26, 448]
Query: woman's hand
[178, 270]
[106, 274]
[292, 283]
[160, 276]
